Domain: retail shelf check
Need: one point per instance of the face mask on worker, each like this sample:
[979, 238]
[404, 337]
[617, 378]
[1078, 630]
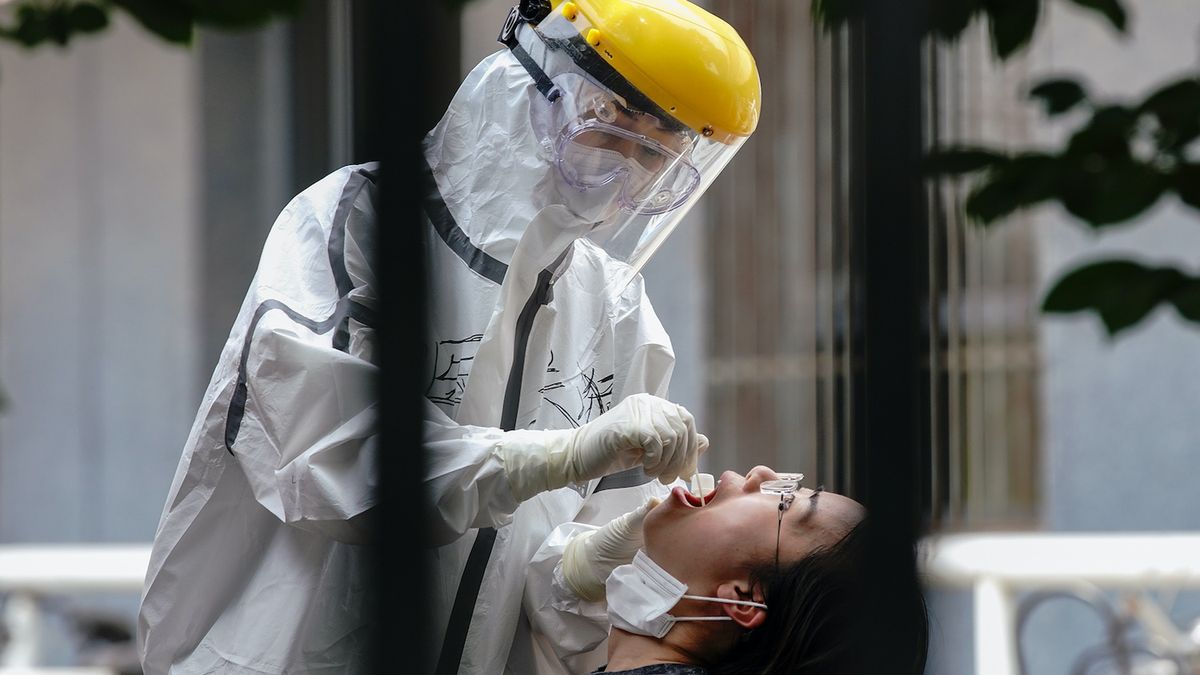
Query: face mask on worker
[590, 204]
[641, 594]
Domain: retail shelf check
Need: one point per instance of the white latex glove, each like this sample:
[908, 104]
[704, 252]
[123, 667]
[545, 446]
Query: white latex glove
[591, 556]
[644, 429]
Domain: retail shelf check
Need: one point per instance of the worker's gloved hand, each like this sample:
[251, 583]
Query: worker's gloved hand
[642, 429]
[591, 556]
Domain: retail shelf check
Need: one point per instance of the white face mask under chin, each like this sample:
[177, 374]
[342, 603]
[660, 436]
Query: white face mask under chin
[641, 594]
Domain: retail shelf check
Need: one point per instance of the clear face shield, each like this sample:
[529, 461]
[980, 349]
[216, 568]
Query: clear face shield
[619, 161]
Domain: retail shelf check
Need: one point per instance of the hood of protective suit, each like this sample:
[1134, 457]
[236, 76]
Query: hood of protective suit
[490, 168]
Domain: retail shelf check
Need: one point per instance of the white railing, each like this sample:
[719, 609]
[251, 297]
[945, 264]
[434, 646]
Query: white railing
[998, 566]
[28, 573]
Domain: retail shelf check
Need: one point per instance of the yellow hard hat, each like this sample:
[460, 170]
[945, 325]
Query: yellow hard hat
[686, 60]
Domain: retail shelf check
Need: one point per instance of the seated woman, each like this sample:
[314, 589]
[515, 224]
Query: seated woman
[751, 582]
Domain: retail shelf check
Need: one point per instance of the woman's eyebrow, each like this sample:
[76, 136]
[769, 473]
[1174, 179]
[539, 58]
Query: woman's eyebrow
[811, 505]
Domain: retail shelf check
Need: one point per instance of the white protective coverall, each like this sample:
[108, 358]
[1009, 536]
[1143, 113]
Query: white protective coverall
[570, 634]
[256, 566]
[497, 229]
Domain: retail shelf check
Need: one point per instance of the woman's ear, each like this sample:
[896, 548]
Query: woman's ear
[746, 616]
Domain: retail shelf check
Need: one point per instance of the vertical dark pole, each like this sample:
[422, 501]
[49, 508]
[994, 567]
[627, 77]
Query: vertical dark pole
[890, 224]
[432, 59]
[396, 102]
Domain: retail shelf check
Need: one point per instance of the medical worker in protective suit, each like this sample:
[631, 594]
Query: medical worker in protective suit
[561, 165]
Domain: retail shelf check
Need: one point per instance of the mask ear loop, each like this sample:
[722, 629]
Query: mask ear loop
[706, 598]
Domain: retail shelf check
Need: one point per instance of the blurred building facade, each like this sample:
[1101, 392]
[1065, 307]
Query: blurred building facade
[100, 283]
[1114, 431]
[138, 181]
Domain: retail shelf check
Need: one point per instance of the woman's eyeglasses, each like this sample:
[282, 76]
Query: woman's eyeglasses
[786, 486]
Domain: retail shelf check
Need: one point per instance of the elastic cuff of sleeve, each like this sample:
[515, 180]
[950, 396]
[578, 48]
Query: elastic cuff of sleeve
[579, 572]
[533, 460]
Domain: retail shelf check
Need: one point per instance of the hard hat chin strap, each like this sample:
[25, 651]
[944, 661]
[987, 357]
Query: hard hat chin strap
[573, 47]
[508, 37]
[527, 11]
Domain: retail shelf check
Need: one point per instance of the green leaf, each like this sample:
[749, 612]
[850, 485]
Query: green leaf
[1186, 181]
[1012, 24]
[1058, 95]
[835, 13]
[87, 18]
[33, 27]
[1176, 108]
[239, 13]
[58, 25]
[949, 18]
[173, 20]
[1186, 299]
[1174, 102]
[1107, 133]
[960, 160]
[1102, 193]
[1021, 182]
[1111, 9]
[166, 19]
[1121, 292]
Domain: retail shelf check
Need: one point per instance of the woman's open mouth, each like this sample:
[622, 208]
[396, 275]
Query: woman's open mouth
[688, 499]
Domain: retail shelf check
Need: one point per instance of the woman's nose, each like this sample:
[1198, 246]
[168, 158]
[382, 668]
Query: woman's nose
[760, 473]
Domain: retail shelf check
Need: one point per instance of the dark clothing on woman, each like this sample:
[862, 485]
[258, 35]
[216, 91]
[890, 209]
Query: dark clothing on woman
[659, 669]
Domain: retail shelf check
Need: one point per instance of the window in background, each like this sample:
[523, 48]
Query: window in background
[985, 437]
[776, 263]
[785, 271]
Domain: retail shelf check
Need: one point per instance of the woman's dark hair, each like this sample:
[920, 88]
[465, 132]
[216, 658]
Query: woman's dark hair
[819, 615]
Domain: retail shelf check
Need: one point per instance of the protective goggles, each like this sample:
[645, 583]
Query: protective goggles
[654, 178]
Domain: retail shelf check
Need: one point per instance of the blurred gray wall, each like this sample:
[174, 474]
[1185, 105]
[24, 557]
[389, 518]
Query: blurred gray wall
[1121, 448]
[138, 181]
[99, 284]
